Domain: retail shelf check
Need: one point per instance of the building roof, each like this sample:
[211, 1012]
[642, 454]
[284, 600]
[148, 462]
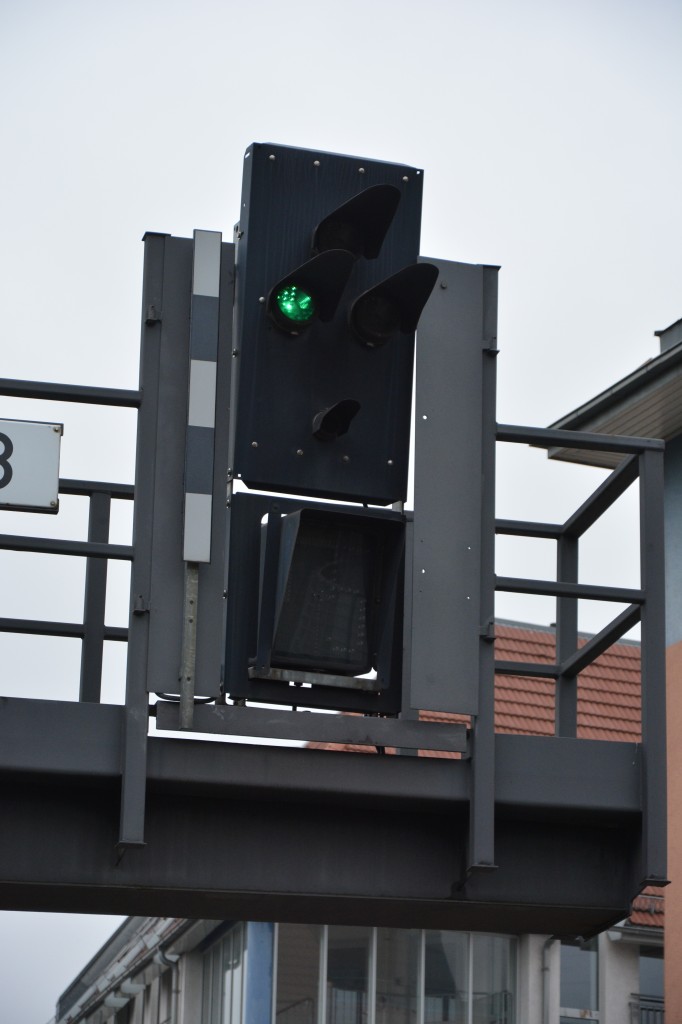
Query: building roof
[648, 909]
[646, 403]
[609, 704]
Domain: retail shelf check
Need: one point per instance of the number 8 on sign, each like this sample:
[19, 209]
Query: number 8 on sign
[5, 465]
[29, 465]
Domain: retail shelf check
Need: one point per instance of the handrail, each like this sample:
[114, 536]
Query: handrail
[83, 393]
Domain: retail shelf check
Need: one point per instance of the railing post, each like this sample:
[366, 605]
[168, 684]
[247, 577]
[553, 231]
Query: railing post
[95, 600]
[566, 700]
[654, 838]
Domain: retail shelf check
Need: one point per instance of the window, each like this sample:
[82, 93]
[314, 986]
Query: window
[651, 971]
[492, 989]
[356, 975]
[579, 981]
[298, 973]
[398, 957]
[446, 977]
[348, 969]
[224, 979]
[165, 997]
[649, 1001]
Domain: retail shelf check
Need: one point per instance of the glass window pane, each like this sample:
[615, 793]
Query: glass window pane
[347, 974]
[206, 991]
[492, 996]
[580, 976]
[216, 987]
[226, 946]
[165, 996]
[651, 971]
[237, 973]
[397, 976]
[446, 971]
[298, 973]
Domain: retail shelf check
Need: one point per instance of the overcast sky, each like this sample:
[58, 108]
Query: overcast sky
[549, 137]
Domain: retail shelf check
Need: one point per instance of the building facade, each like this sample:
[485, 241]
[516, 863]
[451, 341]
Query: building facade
[175, 971]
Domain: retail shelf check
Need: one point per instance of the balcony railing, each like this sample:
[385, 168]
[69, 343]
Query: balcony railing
[647, 1009]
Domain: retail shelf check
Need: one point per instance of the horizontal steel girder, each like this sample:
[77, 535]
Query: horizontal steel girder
[274, 833]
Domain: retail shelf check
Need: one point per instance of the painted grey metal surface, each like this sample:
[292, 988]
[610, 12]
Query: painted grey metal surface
[673, 540]
[92, 655]
[155, 656]
[481, 850]
[233, 720]
[457, 331]
[654, 761]
[298, 834]
[160, 469]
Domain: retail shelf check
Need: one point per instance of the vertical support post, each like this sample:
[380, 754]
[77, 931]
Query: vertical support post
[482, 804]
[566, 693]
[179, 291]
[654, 839]
[268, 611]
[453, 591]
[406, 711]
[99, 515]
[190, 473]
[260, 972]
[448, 481]
[189, 644]
[134, 767]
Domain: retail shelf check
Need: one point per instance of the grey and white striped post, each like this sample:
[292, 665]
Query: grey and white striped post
[199, 446]
[203, 360]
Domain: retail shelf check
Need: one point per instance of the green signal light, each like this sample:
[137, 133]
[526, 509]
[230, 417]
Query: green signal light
[295, 304]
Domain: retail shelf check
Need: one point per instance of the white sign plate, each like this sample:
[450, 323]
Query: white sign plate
[29, 465]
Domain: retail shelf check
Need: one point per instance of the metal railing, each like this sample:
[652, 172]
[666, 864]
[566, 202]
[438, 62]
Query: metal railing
[647, 1009]
[97, 549]
[300, 1012]
[641, 458]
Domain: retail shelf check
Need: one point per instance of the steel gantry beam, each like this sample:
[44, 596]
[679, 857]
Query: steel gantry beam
[297, 834]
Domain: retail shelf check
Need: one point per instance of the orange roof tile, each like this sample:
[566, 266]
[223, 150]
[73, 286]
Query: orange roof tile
[609, 706]
[648, 909]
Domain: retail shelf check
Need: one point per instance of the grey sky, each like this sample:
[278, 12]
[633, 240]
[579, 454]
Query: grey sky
[549, 135]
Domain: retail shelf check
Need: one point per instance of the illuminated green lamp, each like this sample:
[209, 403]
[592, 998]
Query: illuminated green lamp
[295, 304]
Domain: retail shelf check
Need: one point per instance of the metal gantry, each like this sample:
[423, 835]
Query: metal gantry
[166, 824]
